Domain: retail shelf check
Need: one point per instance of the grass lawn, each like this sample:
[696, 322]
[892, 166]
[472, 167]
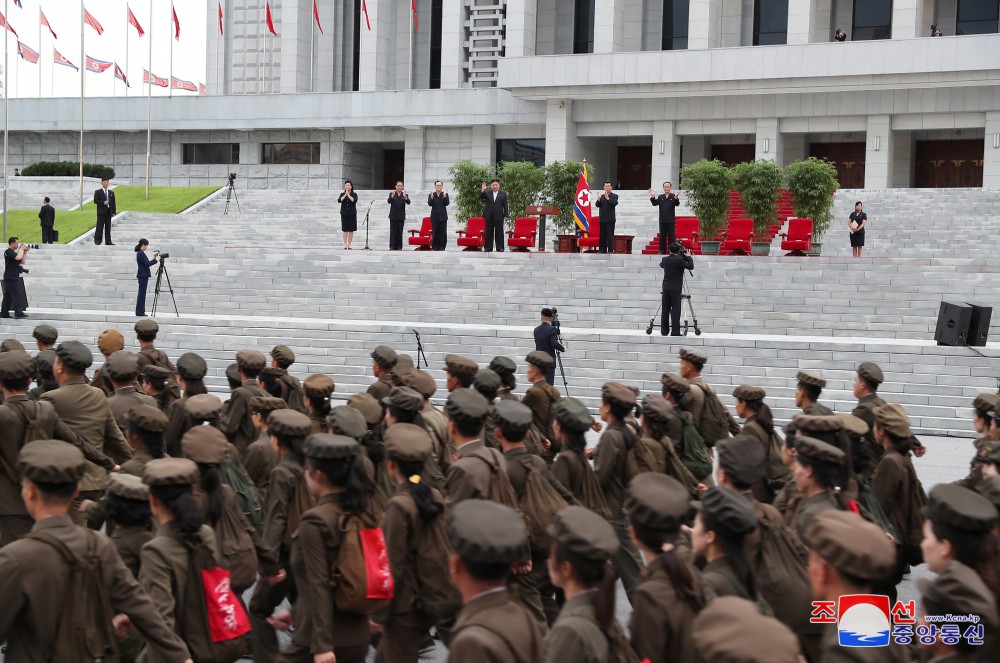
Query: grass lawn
[162, 200]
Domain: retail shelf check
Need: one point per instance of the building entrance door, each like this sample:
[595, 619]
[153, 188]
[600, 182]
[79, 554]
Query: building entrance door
[847, 158]
[944, 164]
[733, 154]
[635, 167]
[392, 163]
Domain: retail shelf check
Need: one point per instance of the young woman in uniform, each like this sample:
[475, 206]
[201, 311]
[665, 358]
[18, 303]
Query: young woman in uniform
[759, 422]
[571, 421]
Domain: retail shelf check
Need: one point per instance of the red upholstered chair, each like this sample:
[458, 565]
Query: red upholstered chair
[422, 238]
[686, 230]
[738, 237]
[592, 240]
[474, 236]
[524, 234]
[799, 237]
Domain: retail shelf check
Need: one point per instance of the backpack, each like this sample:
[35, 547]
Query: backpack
[695, 455]
[591, 495]
[363, 580]
[501, 491]
[645, 460]
[33, 429]
[246, 492]
[540, 504]
[778, 473]
[619, 649]
[714, 417]
[436, 594]
[677, 469]
[301, 502]
[84, 629]
[782, 577]
[246, 429]
[236, 548]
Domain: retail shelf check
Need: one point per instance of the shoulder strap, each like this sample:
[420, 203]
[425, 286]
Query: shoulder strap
[68, 555]
[254, 389]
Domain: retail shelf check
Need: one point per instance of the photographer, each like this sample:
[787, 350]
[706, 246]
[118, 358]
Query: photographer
[547, 340]
[12, 259]
[673, 285]
[143, 274]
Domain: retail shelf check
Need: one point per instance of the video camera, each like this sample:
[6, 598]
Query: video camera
[32, 246]
[555, 318]
[232, 178]
[163, 256]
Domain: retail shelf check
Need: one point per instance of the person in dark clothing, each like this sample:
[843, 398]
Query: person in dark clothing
[47, 215]
[668, 204]
[438, 202]
[857, 224]
[607, 203]
[398, 200]
[104, 200]
[348, 213]
[673, 285]
[547, 341]
[143, 275]
[496, 212]
[12, 259]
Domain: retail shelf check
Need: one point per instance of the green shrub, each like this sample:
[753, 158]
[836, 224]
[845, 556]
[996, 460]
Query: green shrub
[812, 183]
[757, 183]
[559, 190]
[523, 181]
[68, 169]
[467, 177]
[706, 188]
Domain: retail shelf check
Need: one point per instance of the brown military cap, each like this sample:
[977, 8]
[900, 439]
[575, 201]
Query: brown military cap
[572, 415]
[45, 334]
[128, 486]
[748, 392]
[110, 341]
[732, 630]
[203, 406]
[656, 408]
[584, 533]
[267, 404]
[170, 472]
[318, 385]
[485, 532]
[855, 426]
[618, 394]
[542, 360]
[289, 422]
[45, 360]
[205, 444]
[959, 507]
[384, 356]
[271, 370]
[148, 418]
[408, 443]
[851, 544]
[366, 404]
[958, 590]
[155, 372]
[986, 402]
[513, 415]
[743, 458]
[815, 423]
[399, 372]
[191, 366]
[16, 365]
[486, 380]
[75, 354]
[466, 405]
[283, 355]
[871, 372]
[810, 379]
[405, 399]
[459, 365]
[121, 365]
[403, 362]
[657, 501]
[146, 326]
[674, 382]
[331, 447]
[503, 366]
[892, 419]
[815, 450]
[729, 509]
[51, 461]
[989, 488]
[233, 373]
[345, 420]
[250, 360]
[694, 356]
[420, 381]
[10, 345]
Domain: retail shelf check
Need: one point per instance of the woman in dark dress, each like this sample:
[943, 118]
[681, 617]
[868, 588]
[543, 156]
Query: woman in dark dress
[348, 213]
[143, 275]
[857, 224]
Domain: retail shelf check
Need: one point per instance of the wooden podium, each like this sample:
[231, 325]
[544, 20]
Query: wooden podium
[541, 211]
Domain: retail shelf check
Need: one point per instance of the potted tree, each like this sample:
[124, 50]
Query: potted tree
[706, 188]
[523, 181]
[757, 182]
[812, 183]
[467, 178]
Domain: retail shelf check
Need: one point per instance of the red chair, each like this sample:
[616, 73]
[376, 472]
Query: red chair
[738, 238]
[524, 234]
[799, 237]
[592, 240]
[473, 238]
[687, 232]
[422, 238]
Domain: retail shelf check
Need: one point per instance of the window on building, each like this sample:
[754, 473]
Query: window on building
[200, 154]
[289, 153]
[872, 20]
[675, 24]
[583, 26]
[521, 149]
[356, 74]
[770, 22]
[977, 17]
[436, 12]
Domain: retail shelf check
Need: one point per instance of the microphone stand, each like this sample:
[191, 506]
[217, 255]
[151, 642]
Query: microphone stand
[368, 248]
[420, 350]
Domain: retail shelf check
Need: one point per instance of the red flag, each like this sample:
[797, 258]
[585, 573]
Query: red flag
[201, 88]
[316, 14]
[5, 24]
[18, 3]
[364, 8]
[92, 22]
[270, 21]
[58, 58]
[45, 22]
[134, 22]
[97, 66]
[178, 84]
[153, 79]
[27, 54]
[413, 4]
[220, 18]
[581, 205]
[177, 24]
[119, 74]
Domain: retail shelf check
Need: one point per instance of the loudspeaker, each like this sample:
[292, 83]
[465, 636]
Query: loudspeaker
[979, 323]
[953, 323]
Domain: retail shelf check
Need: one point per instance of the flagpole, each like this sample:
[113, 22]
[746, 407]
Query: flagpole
[39, 51]
[83, 78]
[413, 17]
[149, 99]
[312, 43]
[6, 112]
[127, 10]
[218, 50]
[170, 83]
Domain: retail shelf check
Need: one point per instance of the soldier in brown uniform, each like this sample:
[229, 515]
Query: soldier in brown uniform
[571, 421]
[86, 411]
[541, 396]
[460, 372]
[371, 410]
[260, 457]
[691, 364]
[128, 509]
[236, 422]
[16, 369]
[282, 357]
[35, 578]
[121, 369]
[191, 371]
[487, 539]
[807, 392]
[318, 388]
[45, 337]
[404, 364]
[759, 422]
[383, 360]
[44, 380]
[155, 383]
[487, 383]
[866, 383]
[820, 471]
[436, 425]
[981, 421]
[731, 629]
[662, 430]
[958, 590]
[146, 331]
[109, 342]
[505, 368]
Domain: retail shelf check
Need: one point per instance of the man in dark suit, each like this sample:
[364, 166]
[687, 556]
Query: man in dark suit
[607, 203]
[438, 202]
[495, 212]
[668, 203]
[47, 215]
[104, 199]
[398, 200]
[673, 286]
[547, 341]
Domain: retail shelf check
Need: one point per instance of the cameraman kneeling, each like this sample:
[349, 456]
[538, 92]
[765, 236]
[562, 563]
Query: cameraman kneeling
[673, 267]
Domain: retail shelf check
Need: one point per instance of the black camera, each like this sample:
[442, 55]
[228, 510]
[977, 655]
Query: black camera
[163, 256]
[32, 246]
[232, 178]
[555, 318]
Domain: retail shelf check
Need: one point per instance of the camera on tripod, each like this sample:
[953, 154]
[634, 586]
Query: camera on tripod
[163, 256]
[232, 179]
[555, 318]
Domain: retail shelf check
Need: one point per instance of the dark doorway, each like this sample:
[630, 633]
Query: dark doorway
[393, 166]
[847, 158]
[635, 167]
[944, 164]
[733, 154]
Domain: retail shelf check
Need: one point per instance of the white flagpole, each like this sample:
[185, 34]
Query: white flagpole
[413, 18]
[312, 43]
[170, 83]
[6, 113]
[39, 51]
[127, 10]
[149, 99]
[260, 67]
[83, 78]
[218, 51]
[267, 59]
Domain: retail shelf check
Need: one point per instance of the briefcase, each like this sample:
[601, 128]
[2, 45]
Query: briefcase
[55, 236]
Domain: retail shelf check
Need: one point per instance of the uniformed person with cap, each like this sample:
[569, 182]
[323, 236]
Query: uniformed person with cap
[488, 538]
[808, 388]
[261, 457]
[109, 342]
[571, 421]
[44, 380]
[121, 369]
[233, 377]
[867, 379]
[282, 357]
[981, 421]
[662, 428]
[404, 364]
[85, 409]
[127, 506]
[318, 388]
[236, 423]
[383, 360]
[45, 337]
[11, 345]
[820, 471]
[35, 578]
[958, 590]
[155, 381]
[146, 331]
[732, 630]
[505, 368]
[895, 482]
[692, 361]
[435, 423]
[487, 383]
[191, 371]
[759, 422]
[675, 391]
[540, 398]
[460, 372]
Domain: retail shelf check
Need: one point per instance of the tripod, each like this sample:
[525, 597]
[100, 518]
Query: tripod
[368, 248]
[420, 350]
[230, 195]
[559, 361]
[160, 273]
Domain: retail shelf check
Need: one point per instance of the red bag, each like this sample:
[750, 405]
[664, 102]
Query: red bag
[377, 572]
[362, 579]
[226, 617]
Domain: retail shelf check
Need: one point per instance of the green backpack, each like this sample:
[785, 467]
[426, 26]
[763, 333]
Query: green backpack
[246, 491]
[695, 456]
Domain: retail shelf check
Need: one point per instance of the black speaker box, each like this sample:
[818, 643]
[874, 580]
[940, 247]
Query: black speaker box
[979, 323]
[953, 323]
